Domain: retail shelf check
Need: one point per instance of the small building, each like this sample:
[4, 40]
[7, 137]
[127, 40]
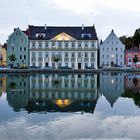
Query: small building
[3, 55]
[134, 52]
[111, 51]
[17, 47]
[76, 47]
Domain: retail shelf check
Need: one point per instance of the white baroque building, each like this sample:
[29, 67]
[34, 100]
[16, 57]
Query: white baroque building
[112, 51]
[76, 47]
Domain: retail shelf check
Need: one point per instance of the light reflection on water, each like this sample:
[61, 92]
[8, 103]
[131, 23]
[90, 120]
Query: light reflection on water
[74, 106]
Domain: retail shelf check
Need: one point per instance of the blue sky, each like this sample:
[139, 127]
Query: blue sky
[121, 15]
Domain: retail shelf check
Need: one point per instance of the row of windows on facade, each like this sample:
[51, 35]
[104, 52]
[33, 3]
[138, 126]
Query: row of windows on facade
[22, 57]
[66, 44]
[19, 49]
[21, 40]
[112, 49]
[73, 65]
[103, 63]
[71, 76]
[57, 95]
[107, 56]
[66, 54]
[112, 42]
[85, 85]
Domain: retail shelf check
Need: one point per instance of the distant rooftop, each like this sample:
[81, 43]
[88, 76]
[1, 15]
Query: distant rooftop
[49, 32]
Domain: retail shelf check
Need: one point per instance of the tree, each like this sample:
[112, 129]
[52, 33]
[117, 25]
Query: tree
[56, 60]
[136, 37]
[127, 41]
[12, 58]
[135, 59]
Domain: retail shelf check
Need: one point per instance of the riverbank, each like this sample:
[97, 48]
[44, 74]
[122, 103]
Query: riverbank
[67, 70]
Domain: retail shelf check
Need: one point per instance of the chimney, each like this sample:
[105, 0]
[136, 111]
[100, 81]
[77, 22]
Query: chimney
[45, 26]
[82, 26]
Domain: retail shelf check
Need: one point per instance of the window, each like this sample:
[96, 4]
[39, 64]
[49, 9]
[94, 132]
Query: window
[59, 54]
[102, 56]
[72, 44]
[46, 44]
[73, 55]
[107, 56]
[59, 44]
[66, 44]
[86, 54]
[53, 54]
[24, 49]
[40, 64]
[86, 44]
[116, 49]
[33, 54]
[79, 54]
[20, 49]
[24, 56]
[92, 54]
[112, 49]
[79, 44]
[47, 54]
[53, 44]
[66, 54]
[92, 44]
[13, 48]
[107, 49]
[116, 55]
[40, 54]
[103, 49]
[120, 56]
[86, 36]
[20, 57]
[72, 65]
[40, 44]
[33, 44]
[121, 49]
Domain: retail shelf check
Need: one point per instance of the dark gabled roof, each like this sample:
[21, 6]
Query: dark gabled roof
[52, 31]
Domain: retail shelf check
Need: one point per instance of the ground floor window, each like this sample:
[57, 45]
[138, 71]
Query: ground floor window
[72, 65]
[33, 64]
[40, 64]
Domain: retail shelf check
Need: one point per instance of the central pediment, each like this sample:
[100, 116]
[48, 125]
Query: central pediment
[63, 36]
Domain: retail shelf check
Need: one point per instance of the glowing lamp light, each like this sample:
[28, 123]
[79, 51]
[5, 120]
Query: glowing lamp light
[63, 103]
[112, 55]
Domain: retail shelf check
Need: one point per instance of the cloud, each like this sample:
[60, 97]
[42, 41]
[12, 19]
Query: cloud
[74, 127]
[123, 16]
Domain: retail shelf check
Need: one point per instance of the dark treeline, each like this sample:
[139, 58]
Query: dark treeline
[131, 41]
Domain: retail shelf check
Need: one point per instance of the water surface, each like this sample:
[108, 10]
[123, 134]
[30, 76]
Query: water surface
[70, 106]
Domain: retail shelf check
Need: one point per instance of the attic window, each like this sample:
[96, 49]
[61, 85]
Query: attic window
[40, 35]
[86, 36]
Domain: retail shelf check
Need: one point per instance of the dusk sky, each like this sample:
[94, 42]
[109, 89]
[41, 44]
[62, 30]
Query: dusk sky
[121, 15]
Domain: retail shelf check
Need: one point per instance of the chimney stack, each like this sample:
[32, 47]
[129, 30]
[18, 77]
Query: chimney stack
[82, 26]
[45, 26]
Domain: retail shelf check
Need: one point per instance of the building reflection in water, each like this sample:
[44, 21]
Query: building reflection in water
[18, 91]
[132, 88]
[53, 93]
[2, 84]
[112, 86]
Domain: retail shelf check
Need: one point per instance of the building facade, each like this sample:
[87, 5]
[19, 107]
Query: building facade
[111, 86]
[17, 46]
[3, 55]
[112, 51]
[130, 55]
[76, 47]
